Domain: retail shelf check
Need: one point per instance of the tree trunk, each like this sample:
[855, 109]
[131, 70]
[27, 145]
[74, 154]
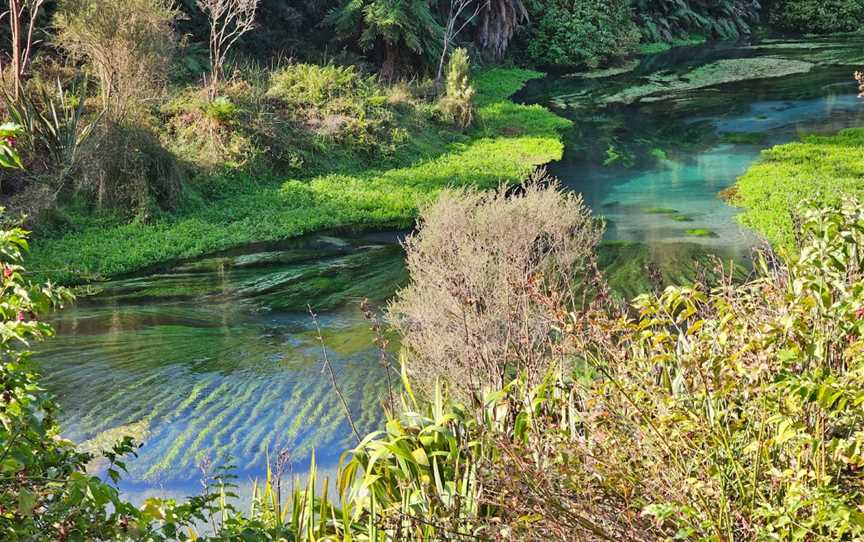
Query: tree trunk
[14, 26]
[391, 61]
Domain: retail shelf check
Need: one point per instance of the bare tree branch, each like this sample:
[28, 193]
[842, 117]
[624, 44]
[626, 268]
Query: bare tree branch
[457, 7]
[229, 21]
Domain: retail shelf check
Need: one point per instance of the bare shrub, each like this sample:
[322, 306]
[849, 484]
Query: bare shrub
[229, 20]
[128, 45]
[470, 316]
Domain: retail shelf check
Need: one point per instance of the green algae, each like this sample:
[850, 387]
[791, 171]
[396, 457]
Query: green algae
[626, 265]
[743, 138]
[606, 73]
[664, 85]
[701, 232]
[660, 211]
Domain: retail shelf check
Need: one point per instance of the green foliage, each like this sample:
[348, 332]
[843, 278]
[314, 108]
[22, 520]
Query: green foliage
[54, 126]
[581, 32]
[818, 16]
[334, 102]
[457, 104]
[9, 157]
[668, 20]
[221, 109]
[45, 491]
[340, 88]
[824, 167]
[396, 26]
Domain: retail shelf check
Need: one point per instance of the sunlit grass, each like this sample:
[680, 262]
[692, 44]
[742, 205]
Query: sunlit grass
[821, 167]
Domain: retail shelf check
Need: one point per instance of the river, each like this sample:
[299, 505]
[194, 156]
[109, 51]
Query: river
[219, 359]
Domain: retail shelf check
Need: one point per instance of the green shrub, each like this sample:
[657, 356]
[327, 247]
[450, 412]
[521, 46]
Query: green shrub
[221, 109]
[335, 103]
[581, 32]
[818, 16]
[305, 86]
[457, 104]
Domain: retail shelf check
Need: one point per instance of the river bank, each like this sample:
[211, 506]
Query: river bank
[509, 141]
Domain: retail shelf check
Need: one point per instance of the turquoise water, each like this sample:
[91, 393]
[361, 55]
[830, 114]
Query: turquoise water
[654, 168]
[218, 358]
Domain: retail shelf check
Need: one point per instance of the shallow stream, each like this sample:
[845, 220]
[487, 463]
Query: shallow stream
[219, 358]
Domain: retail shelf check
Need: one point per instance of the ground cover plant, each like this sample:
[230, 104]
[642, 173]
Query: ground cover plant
[825, 167]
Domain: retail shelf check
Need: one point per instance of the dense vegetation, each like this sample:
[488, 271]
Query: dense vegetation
[825, 167]
[144, 131]
[120, 135]
[819, 16]
[721, 411]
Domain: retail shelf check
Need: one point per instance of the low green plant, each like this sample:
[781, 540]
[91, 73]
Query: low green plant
[457, 104]
[333, 102]
[821, 167]
[221, 109]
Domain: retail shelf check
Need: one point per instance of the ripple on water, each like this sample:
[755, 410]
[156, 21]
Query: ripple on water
[219, 359]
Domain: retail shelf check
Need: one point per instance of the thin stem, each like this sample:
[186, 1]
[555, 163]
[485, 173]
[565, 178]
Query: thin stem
[329, 368]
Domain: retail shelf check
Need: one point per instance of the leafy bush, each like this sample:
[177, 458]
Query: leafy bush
[667, 20]
[457, 105]
[221, 109]
[580, 32]
[335, 102]
[819, 16]
[45, 492]
[468, 317]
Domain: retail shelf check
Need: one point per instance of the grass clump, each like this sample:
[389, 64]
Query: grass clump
[824, 167]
